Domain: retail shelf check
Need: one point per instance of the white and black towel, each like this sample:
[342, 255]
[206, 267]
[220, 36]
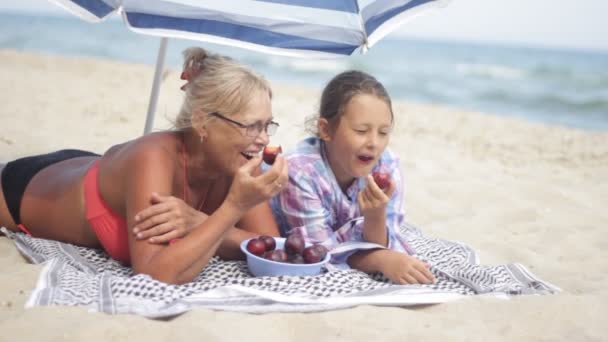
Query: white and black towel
[88, 277]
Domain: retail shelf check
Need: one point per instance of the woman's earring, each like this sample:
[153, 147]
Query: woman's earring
[202, 139]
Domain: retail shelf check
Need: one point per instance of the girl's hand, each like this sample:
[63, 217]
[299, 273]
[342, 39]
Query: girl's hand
[166, 219]
[249, 189]
[372, 200]
[401, 268]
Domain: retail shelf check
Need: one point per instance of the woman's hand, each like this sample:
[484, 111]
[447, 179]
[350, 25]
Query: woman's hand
[166, 219]
[372, 200]
[248, 189]
[401, 268]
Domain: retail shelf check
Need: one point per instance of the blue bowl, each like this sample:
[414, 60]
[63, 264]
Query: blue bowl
[259, 267]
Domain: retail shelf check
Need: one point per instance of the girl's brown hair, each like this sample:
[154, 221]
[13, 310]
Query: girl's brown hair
[340, 90]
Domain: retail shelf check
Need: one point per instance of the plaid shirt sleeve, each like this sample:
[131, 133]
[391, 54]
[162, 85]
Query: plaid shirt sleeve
[395, 215]
[304, 210]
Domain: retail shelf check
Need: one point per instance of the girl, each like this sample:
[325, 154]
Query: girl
[331, 197]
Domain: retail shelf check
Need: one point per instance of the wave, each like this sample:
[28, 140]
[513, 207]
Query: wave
[540, 83]
[490, 71]
[572, 103]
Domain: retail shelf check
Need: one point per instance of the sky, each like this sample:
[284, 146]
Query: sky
[580, 24]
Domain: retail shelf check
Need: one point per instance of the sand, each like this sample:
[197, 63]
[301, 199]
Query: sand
[515, 191]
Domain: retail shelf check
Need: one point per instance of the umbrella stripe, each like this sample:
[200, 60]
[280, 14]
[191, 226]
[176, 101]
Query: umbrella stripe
[342, 6]
[237, 32]
[244, 11]
[381, 11]
[376, 7]
[313, 24]
[290, 27]
[98, 8]
[387, 22]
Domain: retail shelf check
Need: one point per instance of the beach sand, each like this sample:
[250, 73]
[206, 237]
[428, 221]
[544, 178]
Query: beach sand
[513, 190]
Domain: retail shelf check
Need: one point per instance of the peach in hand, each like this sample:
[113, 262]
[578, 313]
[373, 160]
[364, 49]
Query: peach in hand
[382, 179]
[270, 154]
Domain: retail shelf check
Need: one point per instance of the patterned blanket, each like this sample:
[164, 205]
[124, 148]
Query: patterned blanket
[81, 276]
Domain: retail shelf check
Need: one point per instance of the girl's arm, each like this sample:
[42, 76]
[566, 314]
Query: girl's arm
[382, 226]
[395, 211]
[399, 267]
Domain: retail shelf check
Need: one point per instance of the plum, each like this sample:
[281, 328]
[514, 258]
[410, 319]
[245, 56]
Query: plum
[322, 250]
[311, 255]
[270, 154]
[294, 244]
[256, 246]
[382, 179]
[269, 241]
[276, 255]
[295, 258]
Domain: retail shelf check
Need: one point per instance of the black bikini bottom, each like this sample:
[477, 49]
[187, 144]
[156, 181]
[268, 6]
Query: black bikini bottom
[17, 174]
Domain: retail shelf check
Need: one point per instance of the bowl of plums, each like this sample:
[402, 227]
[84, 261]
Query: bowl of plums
[274, 256]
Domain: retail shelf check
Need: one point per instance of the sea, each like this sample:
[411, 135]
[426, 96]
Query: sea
[547, 85]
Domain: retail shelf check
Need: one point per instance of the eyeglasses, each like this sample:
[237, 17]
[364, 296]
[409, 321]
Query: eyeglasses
[252, 130]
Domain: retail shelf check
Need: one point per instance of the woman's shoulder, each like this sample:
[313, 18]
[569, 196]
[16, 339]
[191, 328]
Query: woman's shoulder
[154, 147]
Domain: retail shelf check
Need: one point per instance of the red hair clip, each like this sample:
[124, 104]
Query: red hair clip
[184, 76]
[187, 74]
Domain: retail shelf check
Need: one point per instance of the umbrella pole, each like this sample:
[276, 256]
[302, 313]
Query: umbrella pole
[160, 63]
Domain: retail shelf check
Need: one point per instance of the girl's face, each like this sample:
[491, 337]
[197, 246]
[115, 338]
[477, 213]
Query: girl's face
[362, 133]
[233, 143]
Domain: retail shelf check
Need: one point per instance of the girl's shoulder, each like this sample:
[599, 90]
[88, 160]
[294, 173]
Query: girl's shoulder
[389, 157]
[306, 152]
[309, 146]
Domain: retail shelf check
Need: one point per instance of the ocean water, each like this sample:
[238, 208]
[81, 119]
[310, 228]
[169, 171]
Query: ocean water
[561, 87]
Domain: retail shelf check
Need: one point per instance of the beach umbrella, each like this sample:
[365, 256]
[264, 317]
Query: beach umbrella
[298, 28]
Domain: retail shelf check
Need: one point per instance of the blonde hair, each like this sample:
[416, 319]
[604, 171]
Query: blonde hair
[216, 83]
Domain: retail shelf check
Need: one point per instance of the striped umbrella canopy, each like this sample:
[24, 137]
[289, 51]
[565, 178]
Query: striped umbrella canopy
[301, 28]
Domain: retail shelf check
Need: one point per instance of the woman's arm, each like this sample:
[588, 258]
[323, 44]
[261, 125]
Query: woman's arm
[150, 170]
[257, 221]
[170, 218]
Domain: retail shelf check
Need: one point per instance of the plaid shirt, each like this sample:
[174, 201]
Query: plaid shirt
[314, 205]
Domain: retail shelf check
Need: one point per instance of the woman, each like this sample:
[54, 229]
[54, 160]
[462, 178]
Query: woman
[202, 178]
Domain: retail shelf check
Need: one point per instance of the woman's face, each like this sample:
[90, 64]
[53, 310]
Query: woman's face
[232, 145]
[361, 135]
